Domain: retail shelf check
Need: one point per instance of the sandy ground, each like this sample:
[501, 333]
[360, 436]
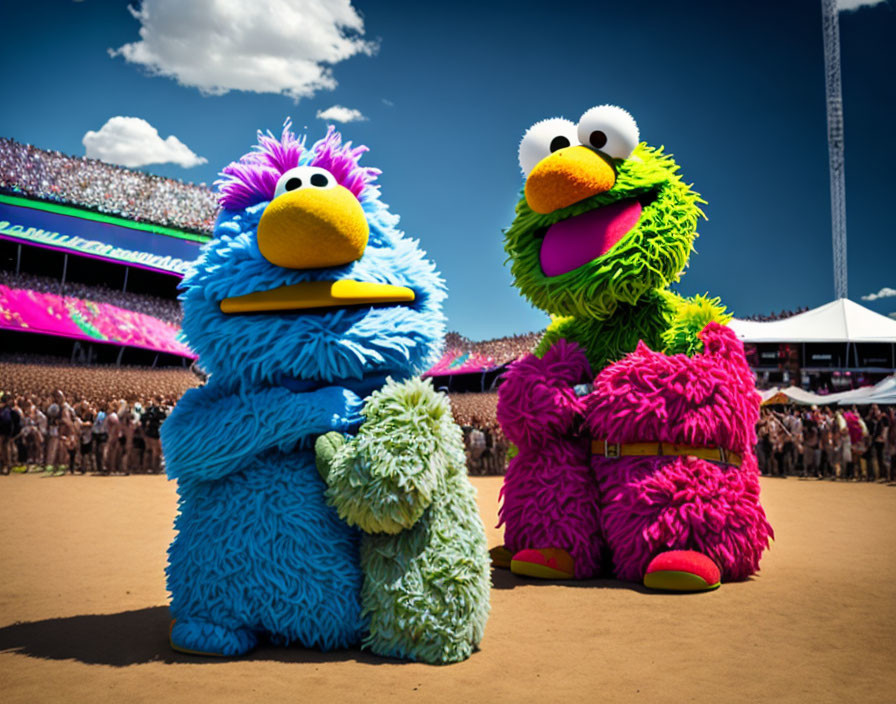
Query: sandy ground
[83, 615]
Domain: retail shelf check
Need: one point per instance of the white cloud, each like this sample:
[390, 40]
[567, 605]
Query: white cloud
[338, 113]
[885, 292]
[131, 141]
[262, 46]
[856, 4]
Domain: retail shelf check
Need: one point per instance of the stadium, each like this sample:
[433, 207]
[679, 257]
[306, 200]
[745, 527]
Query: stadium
[667, 491]
[89, 278]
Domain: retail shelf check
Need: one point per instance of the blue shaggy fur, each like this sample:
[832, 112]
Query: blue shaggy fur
[261, 549]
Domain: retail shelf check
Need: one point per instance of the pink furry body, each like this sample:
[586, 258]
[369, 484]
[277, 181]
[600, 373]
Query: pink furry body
[549, 497]
[632, 508]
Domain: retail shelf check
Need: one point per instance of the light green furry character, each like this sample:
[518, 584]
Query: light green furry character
[605, 225]
[402, 480]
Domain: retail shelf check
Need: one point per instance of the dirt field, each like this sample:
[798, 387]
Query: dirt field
[83, 615]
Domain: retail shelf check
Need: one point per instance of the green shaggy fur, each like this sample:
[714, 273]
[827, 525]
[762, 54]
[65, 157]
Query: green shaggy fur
[691, 316]
[402, 480]
[615, 300]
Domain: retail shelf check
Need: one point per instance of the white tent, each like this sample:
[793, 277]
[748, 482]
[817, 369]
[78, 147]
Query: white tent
[883, 392]
[839, 321]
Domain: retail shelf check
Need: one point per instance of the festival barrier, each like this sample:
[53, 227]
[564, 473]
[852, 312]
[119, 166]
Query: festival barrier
[31, 311]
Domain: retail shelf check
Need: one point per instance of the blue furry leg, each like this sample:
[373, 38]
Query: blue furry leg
[260, 550]
[203, 638]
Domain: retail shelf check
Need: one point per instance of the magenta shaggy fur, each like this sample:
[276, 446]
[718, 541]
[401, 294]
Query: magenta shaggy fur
[537, 402]
[653, 504]
[708, 399]
[549, 497]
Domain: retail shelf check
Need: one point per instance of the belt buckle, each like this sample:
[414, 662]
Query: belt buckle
[723, 455]
[612, 450]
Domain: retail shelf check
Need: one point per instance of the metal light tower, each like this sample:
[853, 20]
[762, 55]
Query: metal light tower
[831, 28]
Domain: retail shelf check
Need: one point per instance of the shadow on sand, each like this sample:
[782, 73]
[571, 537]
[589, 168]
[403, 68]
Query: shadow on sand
[505, 579]
[141, 636]
[138, 637]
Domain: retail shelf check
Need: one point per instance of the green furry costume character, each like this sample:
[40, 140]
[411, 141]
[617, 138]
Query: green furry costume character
[651, 475]
[606, 303]
[403, 481]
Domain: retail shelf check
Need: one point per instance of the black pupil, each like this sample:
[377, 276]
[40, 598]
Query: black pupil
[559, 143]
[293, 184]
[318, 180]
[598, 139]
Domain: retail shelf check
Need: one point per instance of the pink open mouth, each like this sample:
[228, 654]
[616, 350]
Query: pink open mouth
[575, 241]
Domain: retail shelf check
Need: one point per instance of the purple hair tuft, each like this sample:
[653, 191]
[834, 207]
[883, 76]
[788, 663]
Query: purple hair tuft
[253, 178]
[341, 160]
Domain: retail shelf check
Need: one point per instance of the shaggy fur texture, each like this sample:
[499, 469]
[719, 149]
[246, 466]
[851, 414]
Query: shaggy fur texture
[605, 311]
[403, 481]
[649, 257]
[652, 504]
[259, 550]
[346, 344]
[549, 498]
[253, 178]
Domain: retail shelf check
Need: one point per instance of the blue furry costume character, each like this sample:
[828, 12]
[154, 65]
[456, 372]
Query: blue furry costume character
[307, 299]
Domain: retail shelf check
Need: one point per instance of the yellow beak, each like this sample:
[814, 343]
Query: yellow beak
[566, 177]
[311, 228]
[317, 294]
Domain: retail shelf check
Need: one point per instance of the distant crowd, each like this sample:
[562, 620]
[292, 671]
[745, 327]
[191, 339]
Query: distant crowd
[163, 309]
[93, 184]
[856, 445]
[484, 442]
[49, 434]
[118, 433]
[776, 316]
[31, 375]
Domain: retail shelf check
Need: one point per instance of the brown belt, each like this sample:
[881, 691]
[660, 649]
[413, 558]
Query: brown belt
[653, 449]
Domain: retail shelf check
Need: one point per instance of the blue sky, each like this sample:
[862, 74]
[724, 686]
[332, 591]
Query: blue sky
[735, 90]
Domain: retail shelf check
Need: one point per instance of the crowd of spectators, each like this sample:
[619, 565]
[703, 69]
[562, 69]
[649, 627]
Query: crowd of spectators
[857, 444]
[484, 443]
[27, 375]
[114, 190]
[47, 433]
[163, 309]
[760, 318]
[849, 445]
[104, 427]
[502, 349]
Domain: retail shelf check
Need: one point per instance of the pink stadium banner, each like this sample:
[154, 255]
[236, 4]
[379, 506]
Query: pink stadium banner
[31, 311]
[456, 361]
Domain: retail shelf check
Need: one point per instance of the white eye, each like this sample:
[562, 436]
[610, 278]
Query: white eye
[543, 138]
[304, 177]
[610, 129]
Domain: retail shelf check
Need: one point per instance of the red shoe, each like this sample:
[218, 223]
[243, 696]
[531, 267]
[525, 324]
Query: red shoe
[544, 563]
[682, 571]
